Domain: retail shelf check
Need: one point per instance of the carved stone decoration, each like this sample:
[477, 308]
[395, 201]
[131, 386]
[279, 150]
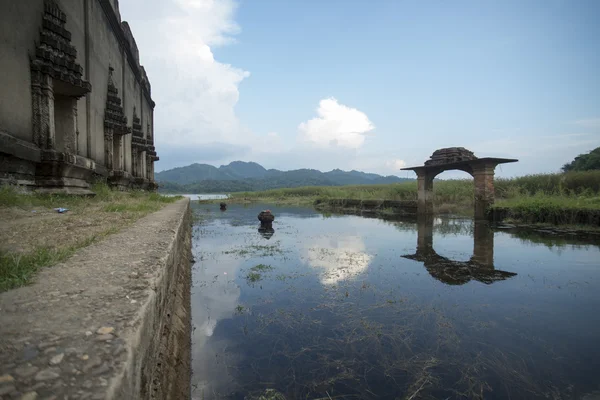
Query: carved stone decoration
[138, 146]
[54, 70]
[115, 122]
[151, 158]
[150, 166]
[134, 163]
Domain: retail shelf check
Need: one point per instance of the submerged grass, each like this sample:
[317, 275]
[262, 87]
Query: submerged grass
[256, 273]
[375, 338]
[344, 348]
[33, 235]
[261, 267]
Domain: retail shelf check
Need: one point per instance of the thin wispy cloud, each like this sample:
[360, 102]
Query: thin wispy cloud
[593, 123]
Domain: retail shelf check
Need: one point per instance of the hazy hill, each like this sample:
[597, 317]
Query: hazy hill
[250, 176]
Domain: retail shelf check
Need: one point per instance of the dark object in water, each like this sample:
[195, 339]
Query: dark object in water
[266, 218]
[223, 206]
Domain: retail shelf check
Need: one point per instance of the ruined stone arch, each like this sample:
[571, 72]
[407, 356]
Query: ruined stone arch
[461, 159]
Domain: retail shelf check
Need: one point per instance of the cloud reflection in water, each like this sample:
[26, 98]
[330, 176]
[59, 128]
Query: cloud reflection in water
[339, 258]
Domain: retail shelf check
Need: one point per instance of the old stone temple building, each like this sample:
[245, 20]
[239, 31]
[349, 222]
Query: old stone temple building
[75, 103]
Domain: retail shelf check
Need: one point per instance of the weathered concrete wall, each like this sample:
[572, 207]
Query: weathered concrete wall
[30, 111]
[131, 100]
[113, 322]
[17, 42]
[104, 52]
[75, 11]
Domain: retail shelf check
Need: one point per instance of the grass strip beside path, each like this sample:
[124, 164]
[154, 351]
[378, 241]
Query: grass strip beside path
[34, 236]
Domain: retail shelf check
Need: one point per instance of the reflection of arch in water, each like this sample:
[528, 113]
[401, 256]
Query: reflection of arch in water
[480, 267]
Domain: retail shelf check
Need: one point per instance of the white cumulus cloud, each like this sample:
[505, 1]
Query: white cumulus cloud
[336, 125]
[395, 165]
[195, 94]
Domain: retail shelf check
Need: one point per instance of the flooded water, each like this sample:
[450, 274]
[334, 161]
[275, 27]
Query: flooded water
[210, 196]
[347, 307]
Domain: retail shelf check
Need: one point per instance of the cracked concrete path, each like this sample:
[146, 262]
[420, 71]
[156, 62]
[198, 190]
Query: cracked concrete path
[73, 333]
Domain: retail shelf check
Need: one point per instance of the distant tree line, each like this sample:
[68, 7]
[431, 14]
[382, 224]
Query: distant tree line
[247, 185]
[584, 162]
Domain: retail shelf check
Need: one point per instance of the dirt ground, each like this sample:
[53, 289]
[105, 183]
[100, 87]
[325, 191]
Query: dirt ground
[23, 230]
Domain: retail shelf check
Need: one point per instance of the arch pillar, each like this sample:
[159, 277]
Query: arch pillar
[425, 192]
[483, 175]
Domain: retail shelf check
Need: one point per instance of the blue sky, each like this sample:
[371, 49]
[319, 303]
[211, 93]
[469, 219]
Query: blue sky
[371, 85]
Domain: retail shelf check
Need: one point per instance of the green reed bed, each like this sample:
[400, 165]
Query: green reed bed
[530, 195]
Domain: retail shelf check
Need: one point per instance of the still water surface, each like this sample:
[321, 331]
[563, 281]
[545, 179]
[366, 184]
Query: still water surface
[347, 307]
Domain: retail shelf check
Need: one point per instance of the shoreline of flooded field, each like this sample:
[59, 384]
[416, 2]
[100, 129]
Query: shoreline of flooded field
[342, 306]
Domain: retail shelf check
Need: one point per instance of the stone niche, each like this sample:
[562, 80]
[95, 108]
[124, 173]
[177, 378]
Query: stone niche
[56, 85]
[115, 129]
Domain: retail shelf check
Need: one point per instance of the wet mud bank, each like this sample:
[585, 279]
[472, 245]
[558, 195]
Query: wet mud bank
[112, 322]
[399, 207]
[550, 216]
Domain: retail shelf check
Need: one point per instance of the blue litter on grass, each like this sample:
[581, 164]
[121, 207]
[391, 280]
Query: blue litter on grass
[61, 210]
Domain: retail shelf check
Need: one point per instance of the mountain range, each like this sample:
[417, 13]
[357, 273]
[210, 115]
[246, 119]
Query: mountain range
[250, 176]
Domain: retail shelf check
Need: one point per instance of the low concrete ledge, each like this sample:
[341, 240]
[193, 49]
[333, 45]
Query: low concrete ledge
[113, 322]
[19, 148]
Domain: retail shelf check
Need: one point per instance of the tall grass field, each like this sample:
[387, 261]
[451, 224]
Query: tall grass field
[571, 190]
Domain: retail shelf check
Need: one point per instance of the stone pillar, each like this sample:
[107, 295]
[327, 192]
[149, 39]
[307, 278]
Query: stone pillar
[143, 168]
[75, 128]
[134, 162]
[425, 192]
[483, 245]
[484, 189]
[149, 167]
[48, 116]
[118, 153]
[108, 149]
[43, 111]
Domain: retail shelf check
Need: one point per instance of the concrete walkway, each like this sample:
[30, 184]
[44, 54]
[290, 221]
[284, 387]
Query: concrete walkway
[112, 322]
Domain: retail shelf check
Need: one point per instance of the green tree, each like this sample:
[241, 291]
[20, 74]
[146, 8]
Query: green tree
[584, 162]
